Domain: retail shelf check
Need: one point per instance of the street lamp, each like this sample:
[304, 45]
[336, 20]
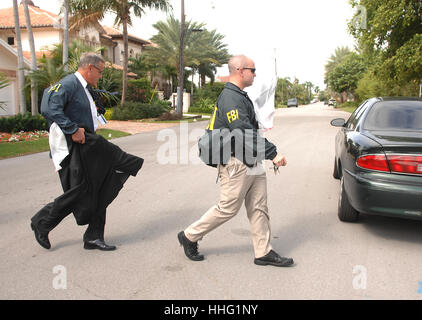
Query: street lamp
[179, 106]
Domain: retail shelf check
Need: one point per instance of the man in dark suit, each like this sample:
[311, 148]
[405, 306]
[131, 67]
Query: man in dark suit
[90, 183]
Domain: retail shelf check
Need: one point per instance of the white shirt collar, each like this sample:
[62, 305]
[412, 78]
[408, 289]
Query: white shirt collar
[81, 79]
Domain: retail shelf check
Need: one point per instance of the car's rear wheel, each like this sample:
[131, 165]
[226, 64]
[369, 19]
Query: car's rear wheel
[346, 212]
[336, 171]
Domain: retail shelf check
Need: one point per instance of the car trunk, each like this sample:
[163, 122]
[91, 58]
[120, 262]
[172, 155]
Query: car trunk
[396, 143]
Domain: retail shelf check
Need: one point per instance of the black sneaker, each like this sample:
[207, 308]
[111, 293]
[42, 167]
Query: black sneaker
[191, 248]
[272, 258]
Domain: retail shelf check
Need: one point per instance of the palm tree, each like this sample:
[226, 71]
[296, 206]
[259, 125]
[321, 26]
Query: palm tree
[282, 93]
[335, 59]
[203, 51]
[34, 90]
[66, 34]
[215, 56]
[20, 71]
[88, 11]
[75, 50]
[48, 74]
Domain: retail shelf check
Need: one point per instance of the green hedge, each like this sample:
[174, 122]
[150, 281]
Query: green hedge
[26, 122]
[134, 110]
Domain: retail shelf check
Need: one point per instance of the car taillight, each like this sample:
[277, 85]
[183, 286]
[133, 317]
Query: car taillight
[405, 164]
[373, 162]
[395, 163]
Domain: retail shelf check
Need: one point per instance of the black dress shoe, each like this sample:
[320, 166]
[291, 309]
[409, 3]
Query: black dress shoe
[191, 248]
[41, 237]
[273, 259]
[98, 244]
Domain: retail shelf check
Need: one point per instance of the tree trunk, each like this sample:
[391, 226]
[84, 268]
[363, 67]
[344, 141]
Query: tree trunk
[125, 54]
[66, 35]
[181, 67]
[34, 89]
[191, 86]
[202, 80]
[20, 72]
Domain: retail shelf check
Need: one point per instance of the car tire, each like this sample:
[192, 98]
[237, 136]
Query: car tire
[346, 212]
[336, 172]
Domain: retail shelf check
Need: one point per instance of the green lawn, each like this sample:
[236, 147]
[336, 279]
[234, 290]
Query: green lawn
[185, 119]
[111, 134]
[16, 149]
[347, 109]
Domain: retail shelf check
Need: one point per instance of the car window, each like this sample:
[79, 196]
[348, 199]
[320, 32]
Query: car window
[356, 115]
[395, 115]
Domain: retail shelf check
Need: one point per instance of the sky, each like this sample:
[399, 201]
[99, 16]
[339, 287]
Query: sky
[298, 36]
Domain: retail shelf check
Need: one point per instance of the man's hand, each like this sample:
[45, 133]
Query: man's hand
[280, 160]
[79, 136]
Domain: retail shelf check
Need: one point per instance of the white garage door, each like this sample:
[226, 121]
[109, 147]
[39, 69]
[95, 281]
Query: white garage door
[7, 95]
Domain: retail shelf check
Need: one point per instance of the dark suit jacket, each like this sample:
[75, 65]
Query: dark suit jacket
[92, 176]
[66, 104]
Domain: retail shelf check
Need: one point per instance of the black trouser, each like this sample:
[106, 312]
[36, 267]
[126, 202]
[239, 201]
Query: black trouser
[54, 212]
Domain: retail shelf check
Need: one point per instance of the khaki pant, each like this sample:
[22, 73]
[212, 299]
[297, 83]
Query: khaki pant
[238, 183]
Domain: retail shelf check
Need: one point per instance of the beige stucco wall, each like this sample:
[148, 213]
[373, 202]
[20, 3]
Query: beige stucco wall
[8, 65]
[134, 49]
[90, 36]
[10, 97]
[43, 38]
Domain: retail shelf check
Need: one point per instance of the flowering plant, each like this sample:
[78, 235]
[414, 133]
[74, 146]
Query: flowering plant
[22, 136]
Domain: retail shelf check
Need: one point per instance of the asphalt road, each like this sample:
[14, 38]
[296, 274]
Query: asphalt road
[376, 258]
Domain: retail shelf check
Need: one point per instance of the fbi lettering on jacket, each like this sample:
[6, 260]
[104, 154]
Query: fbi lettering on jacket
[232, 115]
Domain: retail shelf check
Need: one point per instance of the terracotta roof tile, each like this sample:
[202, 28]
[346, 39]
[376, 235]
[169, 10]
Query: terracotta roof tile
[38, 54]
[39, 17]
[111, 31]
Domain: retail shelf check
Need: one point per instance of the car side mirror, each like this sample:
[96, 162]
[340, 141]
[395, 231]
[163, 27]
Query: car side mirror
[339, 122]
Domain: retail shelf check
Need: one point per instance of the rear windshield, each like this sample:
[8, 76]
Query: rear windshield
[292, 100]
[395, 115]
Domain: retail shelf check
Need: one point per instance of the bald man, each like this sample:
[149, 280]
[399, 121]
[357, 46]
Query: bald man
[240, 180]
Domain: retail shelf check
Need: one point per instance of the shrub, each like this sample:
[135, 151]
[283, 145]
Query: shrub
[206, 98]
[135, 110]
[210, 90]
[109, 113]
[139, 90]
[348, 104]
[203, 105]
[26, 122]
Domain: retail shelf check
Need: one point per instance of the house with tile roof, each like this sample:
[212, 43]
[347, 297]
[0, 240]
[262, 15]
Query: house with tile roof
[9, 67]
[48, 31]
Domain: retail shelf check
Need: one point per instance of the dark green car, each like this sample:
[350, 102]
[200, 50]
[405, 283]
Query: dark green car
[378, 157]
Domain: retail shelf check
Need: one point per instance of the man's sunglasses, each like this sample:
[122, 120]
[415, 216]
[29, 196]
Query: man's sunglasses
[99, 70]
[252, 69]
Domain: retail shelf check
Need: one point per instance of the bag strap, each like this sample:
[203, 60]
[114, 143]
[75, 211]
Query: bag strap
[210, 126]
